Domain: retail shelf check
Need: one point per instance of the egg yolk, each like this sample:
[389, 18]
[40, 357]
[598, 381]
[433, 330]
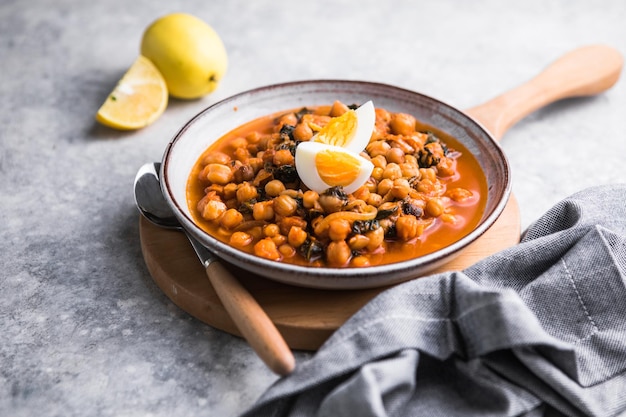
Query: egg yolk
[339, 130]
[337, 168]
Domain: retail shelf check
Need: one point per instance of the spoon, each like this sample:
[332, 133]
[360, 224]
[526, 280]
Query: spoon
[253, 323]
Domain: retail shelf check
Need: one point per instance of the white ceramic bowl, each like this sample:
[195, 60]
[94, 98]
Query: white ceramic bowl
[215, 121]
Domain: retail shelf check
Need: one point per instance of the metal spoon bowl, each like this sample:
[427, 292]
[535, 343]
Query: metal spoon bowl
[149, 198]
[253, 323]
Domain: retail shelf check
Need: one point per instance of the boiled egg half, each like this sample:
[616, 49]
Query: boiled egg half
[331, 158]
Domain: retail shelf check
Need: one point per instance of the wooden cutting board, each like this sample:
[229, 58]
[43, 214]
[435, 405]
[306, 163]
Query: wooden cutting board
[305, 317]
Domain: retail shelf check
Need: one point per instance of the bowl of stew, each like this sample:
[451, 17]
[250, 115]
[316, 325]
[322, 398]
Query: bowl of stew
[439, 182]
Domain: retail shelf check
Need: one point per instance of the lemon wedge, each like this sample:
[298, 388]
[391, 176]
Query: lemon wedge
[137, 100]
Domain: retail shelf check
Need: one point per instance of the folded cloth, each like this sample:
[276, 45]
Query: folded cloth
[537, 329]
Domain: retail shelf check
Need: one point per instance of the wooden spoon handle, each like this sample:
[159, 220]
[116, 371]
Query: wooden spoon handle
[253, 323]
[582, 72]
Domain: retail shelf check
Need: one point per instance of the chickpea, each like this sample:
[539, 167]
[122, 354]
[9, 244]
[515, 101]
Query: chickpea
[380, 161]
[385, 186]
[214, 189]
[371, 184]
[243, 173]
[254, 137]
[360, 261]
[337, 109]
[286, 223]
[446, 167]
[246, 192]
[402, 124]
[292, 193]
[213, 210]
[284, 205]
[303, 132]
[266, 248]
[217, 174]
[380, 131]
[409, 170]
[279, 239]
[358, 242]
[274, 188]
[382, 115]
[234, 165]
[263, 210]
[283, 157]
[339, 229]
[309, 198]
[242, 154]
[216, 158]
[286, 250]
[256, 164]
[238, 143]
[330, 203]
[362, 193]
[435, 149]
[392, 171]
[411, 159]
[297, 236]
[376, 238]
[459, 194]
[252, 149]
[395, 155]
[419, 139]
[377, 173]
[230, 190]
[425, 186]
[231, 219]
[374, 199]
[240, 239]
[268, 156]
[403, 145]
[401, 188]
[434, 207]
[407, 227]
[316, 121]
[286, 119]
[338, 253]
[271, 230]
[428, 174]
[448, 218]
[379, 147]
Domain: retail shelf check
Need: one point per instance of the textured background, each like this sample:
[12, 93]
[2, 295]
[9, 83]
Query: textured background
[83, 329]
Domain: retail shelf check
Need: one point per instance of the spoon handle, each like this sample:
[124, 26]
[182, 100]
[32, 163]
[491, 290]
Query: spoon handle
[253, 323]
[585, 71]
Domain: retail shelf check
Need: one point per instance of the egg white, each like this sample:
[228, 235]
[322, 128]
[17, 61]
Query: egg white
[307, 169]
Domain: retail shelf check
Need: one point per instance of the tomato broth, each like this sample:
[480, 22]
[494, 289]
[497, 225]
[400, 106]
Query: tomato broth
[426, 191]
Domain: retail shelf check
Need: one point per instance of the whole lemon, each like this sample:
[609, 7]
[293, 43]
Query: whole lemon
[188, 52]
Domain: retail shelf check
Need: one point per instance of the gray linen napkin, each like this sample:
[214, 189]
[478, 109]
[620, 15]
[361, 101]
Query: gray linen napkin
[537, 329]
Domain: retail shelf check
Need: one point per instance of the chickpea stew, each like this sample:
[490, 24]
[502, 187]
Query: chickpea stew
[423, 194]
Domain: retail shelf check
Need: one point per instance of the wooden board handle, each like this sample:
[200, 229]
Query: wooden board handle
[584, 71]
[251, 320]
